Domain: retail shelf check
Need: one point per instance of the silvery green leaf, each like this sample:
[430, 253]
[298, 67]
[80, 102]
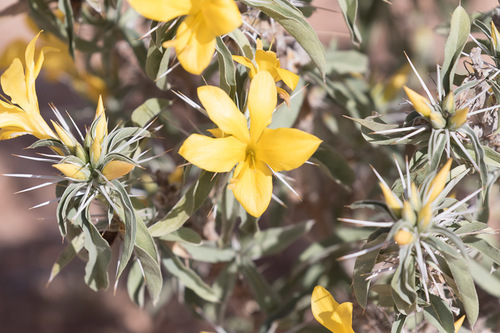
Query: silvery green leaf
[147, 255]
[334, 165]
[64, 205]
[275, 240]
[239, 38]
[127, 215]
[186, 206]
[226, 68]
[484, 278]
[208, 252]
[148, 110]
[459, 33]
[99, 256]
[439, 315]
[403, 286]
[135, 284]
[68, 254]
[295, 23]
[265, 295]
[184, 236]
[187, 276]
[350, 10]
[66, 8]
[484, 247]
[363, 267]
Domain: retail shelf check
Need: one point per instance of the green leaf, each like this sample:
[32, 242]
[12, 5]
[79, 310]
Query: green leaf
[186, 206]
[363, 267]
[483, 247]
[485, 279]
[334, 165]
[184, 236]
[207, 252]
[275, 240]
[349, 10]
[96, 269]
[295, 23]
[187, 276]
[226, 68]
[459, 33]
[403, 286]
[64, 205]
[399, 324]
[147, 254]
[127, 215]
[135, 284]
[148, 110]
[265, 295]
[439, 315]
[239, 37]
[459, 267]
[66, 8]
[73, 248]
[343, 62]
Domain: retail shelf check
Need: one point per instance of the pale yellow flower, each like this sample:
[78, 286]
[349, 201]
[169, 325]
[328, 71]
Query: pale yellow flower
[195, 39]
[257, 151]
[21, 115]
[334, 316]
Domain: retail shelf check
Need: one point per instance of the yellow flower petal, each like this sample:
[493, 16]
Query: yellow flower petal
[194, 44]
[334, 316]
[163, 10]
[213, 154]
[419, 102]
[223, 112]
[290, 79]
[221, 16]
[262, 99]
[267, 61]
[458, 323]
[285, 149]
[71, 170]
[438, 183]
[247, 63]
[14, 85]
[425, 215]
[116, 169]
[252, 186]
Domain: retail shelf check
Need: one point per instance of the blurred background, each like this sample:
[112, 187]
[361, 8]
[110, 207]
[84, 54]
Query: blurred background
[29, 238]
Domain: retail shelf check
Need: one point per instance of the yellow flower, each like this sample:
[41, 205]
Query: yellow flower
[205, 20]
[116, 169]
[495, 37]
[334, 316]
[422, 106]
[21, 115]
[257, 152]
[267, 61]
[458, 323]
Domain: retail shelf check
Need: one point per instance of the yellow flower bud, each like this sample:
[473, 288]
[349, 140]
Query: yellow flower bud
[116, 169]
[95, 152]
[449, 103]
[437, 120]
[101, 129]
[495, 37]
[392, 201]
[403, 237]
[419, 102]
[65, 138]
[425, 215]
[459, 118]
[71, 171]
[409, 213]
[439, 181]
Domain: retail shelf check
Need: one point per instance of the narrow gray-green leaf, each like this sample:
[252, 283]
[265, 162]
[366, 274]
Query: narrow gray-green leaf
[226, 68]
[459, 33]
[149, 110]
[439, 315]
[350, 10]
[334, 165]
[185, 207]
[187, 276]
[275, 240]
